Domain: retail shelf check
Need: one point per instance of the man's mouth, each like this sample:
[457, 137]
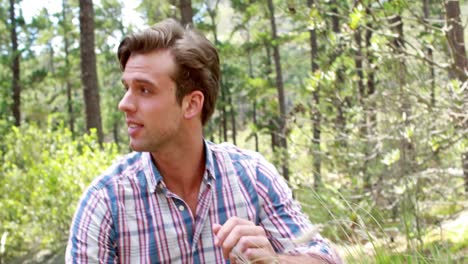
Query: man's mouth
[133, 128]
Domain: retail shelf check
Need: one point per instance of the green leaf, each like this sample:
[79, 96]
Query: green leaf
[391, 157]
[356, 17]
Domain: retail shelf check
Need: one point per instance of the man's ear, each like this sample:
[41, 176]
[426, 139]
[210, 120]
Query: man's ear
[193, 104]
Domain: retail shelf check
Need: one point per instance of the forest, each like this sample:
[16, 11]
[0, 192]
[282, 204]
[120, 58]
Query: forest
[362, 105]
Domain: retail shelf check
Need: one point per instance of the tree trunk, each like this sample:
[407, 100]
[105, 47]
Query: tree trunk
[359, 66]
[223, 113]
[459, 67]
[88, 68]
[362, 98]
[212, 13]
[274, 137]
[220, 130]
[370, 58]
[429, 52]
[15, 66]
[186, 12]
[398, 44]
[254, 119]
[370, 109]
[71, 117]
[254, 104]
[465, 169]
[456, 40]
[225, 93]
[407, 160]
[280, 88]
[272, 125]
[340, 120]
[316, 115]
[115, 132]
[233, 120]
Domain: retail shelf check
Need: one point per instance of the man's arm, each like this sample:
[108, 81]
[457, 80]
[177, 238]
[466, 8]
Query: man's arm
[280, 228]
[91, 232]
[242, 240]
[303, 259]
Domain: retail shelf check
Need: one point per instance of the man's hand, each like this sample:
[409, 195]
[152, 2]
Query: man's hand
[241, 239]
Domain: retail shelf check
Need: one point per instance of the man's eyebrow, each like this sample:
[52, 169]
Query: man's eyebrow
[144, 81]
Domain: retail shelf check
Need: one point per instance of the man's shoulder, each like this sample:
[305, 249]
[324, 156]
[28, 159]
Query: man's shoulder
[122, 168]
[234, 152]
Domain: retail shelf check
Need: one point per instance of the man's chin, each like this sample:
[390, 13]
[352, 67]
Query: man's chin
[143, 145]
[136, 147]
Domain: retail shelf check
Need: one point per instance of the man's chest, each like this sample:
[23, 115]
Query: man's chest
[160, 227]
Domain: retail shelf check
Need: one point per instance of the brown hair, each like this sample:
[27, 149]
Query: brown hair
[195, 57]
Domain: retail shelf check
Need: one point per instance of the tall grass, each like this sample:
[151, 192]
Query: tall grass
[363, 234]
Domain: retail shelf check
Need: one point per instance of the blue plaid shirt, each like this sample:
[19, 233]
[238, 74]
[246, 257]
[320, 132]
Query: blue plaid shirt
[128, 215]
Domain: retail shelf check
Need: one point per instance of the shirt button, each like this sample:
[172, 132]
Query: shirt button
[181, 208]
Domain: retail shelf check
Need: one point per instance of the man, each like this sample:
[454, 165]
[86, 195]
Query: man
[179, 198]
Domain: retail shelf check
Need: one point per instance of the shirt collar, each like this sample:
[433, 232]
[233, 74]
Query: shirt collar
[209, 163]
[154, 178]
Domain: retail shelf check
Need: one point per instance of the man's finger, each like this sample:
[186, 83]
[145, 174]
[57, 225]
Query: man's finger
[247, 242]
[260, 255]
[238, 233]
[226, 229]
[216, 228]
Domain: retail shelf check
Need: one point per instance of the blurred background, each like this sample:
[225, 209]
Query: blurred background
[362, 105]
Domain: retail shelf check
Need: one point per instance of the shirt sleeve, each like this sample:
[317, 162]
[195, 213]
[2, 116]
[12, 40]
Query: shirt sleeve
[288, 229]
[91, 233]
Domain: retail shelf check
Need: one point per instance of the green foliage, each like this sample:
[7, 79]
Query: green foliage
[344, 216]
[371, 182]
[356, 17]
[43, 173]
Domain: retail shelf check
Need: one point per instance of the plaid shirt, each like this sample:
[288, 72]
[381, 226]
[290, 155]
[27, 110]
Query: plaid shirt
[127, 215]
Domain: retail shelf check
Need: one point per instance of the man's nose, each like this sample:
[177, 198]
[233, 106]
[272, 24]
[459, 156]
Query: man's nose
[127, 103]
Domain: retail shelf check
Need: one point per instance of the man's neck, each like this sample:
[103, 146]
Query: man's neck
[182, 168]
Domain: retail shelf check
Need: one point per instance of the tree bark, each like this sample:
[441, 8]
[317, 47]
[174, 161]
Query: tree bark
[212, 11]
[186, 12]
[254, 104]
[88, 68]
[335, 19]
[429, 53]
[233, 120]
[15, 66]
[370, 58]
[115, 132]
[316, 115]
[465, 169]
[71, 117]
[340, 120]
[224, 117]
[280, 87]
[398, 44]
[407, 160]
[459, 69]
[225, 93]
[272, 125]
[362, 99]
[370, 109]
[358, 56]
[456, 40]
[254, 120]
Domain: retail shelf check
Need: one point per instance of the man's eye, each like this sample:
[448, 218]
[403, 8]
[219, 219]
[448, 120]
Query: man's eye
[144, 90]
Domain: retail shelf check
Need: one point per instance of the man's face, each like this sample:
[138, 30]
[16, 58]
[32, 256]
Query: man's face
[153, 115]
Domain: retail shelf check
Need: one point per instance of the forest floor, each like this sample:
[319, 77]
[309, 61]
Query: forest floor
[452, 234]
